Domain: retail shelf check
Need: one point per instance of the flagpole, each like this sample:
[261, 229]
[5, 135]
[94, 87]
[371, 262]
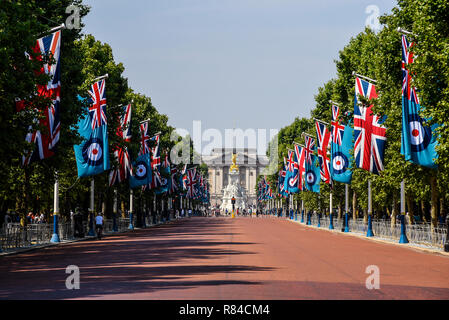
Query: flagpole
[162, 208]
[60, 27]
[114, 215]
[331, 211]
[100, 78]
[302, 211]
[370, 211]
[55, 236]
[180, 205]
[154, 209]
[403, 238]
[335, 103]
[308, 135]
[131, 209]
[400, 30]
[323, 122]
[346, 207]
[144, 212]
[92, 208]
[363, 77]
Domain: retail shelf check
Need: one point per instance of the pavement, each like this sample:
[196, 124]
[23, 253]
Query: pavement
[218, 258]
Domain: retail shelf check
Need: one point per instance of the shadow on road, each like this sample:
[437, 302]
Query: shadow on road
[144, 261]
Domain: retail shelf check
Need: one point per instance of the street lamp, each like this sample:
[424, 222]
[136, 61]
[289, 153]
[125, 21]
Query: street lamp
[233, 207]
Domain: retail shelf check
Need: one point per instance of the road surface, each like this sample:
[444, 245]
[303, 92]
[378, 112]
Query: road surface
[222, 258]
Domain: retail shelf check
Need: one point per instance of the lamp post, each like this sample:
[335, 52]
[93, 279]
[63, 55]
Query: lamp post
[233, 207]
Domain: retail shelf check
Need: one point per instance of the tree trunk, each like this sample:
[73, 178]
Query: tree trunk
[354, 205]
[394, 212]
[434, 203]
[410, 209]
[442, 209]
[122, 207]
[423, 211]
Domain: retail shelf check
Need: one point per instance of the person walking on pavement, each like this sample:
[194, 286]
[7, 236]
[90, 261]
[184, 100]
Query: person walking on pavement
[99, 225]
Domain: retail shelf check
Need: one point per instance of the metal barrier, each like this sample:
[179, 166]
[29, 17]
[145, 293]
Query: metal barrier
[13, 235]
[422, 234]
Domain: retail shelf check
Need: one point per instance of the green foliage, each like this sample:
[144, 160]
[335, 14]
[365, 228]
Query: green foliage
[83, 58]
[378, 56]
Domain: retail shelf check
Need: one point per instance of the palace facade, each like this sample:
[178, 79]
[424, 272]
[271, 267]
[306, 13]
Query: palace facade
[250, 166]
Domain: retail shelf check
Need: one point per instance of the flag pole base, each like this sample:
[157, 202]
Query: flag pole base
[346, 223]
[55, 238]
[403, 239]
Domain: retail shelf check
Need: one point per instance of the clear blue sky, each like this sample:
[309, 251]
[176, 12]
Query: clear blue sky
[229, 63]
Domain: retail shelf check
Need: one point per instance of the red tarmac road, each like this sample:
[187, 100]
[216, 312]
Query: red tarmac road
[223, 258]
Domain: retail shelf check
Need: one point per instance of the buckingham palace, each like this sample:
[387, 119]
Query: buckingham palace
[250, 166]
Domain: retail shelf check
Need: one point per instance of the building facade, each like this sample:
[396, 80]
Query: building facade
[250, 166]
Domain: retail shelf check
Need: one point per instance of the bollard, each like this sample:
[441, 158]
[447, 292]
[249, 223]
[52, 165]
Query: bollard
[131, 224]
[370, 233]
[331, 221]
[346, 223]
[55, 236]
[403, 238]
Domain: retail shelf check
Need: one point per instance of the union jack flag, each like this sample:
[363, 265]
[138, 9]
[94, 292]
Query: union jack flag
[323, 143]
[369, 133]
[173, 185]
[301, 158]
[121, 154]
[309, 148]
[45, 143]
[408, 90]
[281, 178]
[292, 165]
[156, 163]
[126, 124]
[337, 128]
[144, 138]
[155, 154]
[190, 180]
[97, 110]
[124, 169]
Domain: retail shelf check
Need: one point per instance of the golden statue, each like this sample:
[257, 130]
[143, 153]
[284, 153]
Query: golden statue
[234, 165]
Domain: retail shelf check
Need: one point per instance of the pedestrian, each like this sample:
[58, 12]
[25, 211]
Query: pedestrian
[8, 219]
[99, 224]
